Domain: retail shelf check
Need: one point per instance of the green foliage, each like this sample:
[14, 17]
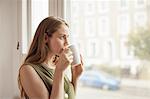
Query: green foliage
[139, 43]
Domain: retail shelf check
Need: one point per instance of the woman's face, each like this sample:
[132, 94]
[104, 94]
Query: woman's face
[59, 40]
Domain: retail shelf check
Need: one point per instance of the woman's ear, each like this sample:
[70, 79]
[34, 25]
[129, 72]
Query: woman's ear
[46, 37]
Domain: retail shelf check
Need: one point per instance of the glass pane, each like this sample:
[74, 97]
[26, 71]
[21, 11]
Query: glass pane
[101, 28]
[123, 24]
[39, 11]
[140, 19]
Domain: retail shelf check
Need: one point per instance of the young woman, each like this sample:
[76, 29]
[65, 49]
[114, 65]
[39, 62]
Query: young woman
[42, 74]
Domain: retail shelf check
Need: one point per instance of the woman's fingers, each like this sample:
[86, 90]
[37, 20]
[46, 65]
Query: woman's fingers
[81, 59]
[68, 55]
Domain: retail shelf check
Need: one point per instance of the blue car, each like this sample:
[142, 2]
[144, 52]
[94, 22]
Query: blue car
[99, 80]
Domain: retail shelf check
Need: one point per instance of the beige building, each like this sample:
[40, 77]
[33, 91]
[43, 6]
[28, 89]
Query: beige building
[101, 28]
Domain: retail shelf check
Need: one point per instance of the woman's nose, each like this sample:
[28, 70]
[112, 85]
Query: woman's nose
[66, 41]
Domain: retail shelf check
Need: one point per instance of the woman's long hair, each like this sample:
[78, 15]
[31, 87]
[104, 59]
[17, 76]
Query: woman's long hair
[39, 50]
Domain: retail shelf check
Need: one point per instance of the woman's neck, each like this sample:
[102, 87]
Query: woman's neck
[49, 62]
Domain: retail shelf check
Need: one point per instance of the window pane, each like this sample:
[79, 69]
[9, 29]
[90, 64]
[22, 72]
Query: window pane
[124, 4]
[39, 11]
[102, 6]
[140, 19]
[140, 3]
[101, 28]
[89, 27]
[123, 24]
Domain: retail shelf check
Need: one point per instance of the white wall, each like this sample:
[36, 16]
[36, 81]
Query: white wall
[8, 53]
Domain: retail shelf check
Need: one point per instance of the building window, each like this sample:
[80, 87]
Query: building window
[140, 19]
[103, 6]
[107, 51]
[103, 26]
[89, 8]
[140, 3]
[89, 27]
[124, 4]
[123, 24]
[125, 52]
[93, 48]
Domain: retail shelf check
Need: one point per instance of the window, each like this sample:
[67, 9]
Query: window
[89, 6]
[140, 3]
[33, 11]
[39, 11]
[89, 27]
[124, 4]
[102, 6]
[125, 52]
[103, 30]
[103, 26]
[123, 24]
[107, 51]
[92, 48]
[140, 19]
[75, 9]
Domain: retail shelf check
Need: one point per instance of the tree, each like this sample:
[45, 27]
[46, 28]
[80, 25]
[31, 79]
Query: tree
[139, 43]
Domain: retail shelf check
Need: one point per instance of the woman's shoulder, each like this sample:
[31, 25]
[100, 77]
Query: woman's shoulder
[26, 69]
[30, 80]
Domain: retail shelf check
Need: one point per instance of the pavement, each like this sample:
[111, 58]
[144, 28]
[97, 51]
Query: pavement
[129, 89]
[135, 83]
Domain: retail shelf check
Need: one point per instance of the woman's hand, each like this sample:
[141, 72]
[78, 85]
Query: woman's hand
[77, 70]
[65, 59]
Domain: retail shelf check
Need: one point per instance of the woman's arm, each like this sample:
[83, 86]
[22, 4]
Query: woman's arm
[35, 88]
[58, 85]
[32, 83]
[76, 72]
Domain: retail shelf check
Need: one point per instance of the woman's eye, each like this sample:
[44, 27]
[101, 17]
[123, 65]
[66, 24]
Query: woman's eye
[61, 37]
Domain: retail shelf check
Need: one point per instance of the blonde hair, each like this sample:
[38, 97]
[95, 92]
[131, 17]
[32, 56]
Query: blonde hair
[39, 49]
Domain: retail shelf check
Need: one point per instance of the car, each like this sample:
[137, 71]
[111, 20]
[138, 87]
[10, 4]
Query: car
[99, 79]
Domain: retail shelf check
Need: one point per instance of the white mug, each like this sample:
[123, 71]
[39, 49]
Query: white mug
[76, 55]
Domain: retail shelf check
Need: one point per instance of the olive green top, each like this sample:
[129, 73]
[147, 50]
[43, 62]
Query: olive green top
[47, 75]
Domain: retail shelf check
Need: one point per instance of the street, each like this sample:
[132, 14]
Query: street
[125, 93]
[134, 91]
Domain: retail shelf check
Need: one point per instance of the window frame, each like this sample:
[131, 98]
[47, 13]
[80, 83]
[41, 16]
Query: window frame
[56, 8]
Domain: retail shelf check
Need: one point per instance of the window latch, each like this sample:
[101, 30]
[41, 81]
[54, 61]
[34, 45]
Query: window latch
[18, 45]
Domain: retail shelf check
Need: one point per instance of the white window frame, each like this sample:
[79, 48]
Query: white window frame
[56, 8]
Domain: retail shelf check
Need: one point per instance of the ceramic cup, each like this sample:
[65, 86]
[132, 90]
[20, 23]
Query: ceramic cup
[76, 55]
